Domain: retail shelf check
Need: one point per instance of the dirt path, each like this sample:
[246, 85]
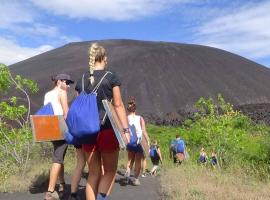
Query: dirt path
[149, 189]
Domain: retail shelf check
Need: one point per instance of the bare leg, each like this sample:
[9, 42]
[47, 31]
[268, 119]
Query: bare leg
[109, 161]
[138, 164]
[78, 170]
[61, 174]
[54, 173]
[94, 167]
[130, 162]
[144, 163]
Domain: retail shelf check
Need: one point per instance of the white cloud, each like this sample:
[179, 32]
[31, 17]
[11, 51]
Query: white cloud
[106, 9]
[245, 31]
[11, 52]
[13, 12]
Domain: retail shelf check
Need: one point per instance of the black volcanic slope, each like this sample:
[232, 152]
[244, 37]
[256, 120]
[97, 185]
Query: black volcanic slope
[164, 77]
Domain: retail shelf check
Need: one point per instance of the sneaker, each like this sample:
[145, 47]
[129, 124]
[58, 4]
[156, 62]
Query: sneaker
[136, 182]
[144, 175]
[127, 174]
[51, 196]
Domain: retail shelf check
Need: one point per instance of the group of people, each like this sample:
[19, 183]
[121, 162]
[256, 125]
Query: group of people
[203, 158]
[101, 154]
[178, 153]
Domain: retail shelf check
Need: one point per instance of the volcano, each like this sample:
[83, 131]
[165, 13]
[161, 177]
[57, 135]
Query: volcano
[164, 77]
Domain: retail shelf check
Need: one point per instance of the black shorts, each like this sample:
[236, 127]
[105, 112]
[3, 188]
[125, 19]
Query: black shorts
[155, 160]
[79, 146]
[59, 151]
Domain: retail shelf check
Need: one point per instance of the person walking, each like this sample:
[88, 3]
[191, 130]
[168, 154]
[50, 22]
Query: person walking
[102, 153]
[134, 148]
[58, 99]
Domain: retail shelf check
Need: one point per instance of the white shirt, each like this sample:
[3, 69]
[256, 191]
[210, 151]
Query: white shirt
[135, 127]
[53, 98]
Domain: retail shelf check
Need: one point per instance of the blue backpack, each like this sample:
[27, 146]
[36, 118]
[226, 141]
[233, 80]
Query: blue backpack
[153, 151]
[45, 110]
[83, 117]
[180, 146]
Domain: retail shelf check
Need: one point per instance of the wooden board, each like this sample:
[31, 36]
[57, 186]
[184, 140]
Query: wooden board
[180, 156]
[116, 124]
[48, 127]
[145, 145]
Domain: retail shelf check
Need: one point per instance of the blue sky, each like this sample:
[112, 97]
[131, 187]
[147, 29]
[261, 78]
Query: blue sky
[31, 27]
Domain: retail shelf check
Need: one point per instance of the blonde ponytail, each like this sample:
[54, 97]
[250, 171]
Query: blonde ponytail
[92, 57]
[96, 54]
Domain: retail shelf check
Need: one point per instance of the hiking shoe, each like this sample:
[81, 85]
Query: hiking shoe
[136, 182]
[51, 196]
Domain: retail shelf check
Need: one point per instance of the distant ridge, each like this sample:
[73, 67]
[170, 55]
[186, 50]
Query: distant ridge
[164, 77]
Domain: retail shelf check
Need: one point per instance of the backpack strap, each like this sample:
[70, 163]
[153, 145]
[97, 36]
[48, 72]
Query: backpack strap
[99, 83]
[83, 82]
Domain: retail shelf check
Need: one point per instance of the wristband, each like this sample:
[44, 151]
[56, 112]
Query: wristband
[125, 130]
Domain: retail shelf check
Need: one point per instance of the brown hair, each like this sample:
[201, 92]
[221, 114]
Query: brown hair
[96, 54]
[54, 80]
[131, 104]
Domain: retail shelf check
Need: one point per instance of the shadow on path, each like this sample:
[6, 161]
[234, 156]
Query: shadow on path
[149, 189]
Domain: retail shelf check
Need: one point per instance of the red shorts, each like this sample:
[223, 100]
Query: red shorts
[106, 142]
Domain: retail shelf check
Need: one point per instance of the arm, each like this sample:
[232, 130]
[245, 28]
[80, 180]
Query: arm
[64, 102]
[120, 108]
[159, 154]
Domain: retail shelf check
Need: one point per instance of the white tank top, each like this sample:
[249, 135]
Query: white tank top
[52, 97]
[135, 127]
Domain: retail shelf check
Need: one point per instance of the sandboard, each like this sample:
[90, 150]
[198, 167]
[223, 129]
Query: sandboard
[116, 124]
[180, 156]
[48, 127]
[145, 146]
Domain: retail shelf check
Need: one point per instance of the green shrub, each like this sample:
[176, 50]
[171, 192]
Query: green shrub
[235, 138]
[15, 133]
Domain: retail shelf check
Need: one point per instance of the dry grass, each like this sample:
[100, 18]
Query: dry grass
[37, 174]
[192, 182]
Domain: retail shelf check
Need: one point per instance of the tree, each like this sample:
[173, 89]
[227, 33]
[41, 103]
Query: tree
[15, 132]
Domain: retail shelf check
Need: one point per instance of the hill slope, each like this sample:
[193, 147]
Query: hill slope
[164, 77]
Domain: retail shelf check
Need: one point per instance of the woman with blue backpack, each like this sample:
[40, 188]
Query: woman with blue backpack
[102, 149]
[134, 148]
[57, 97]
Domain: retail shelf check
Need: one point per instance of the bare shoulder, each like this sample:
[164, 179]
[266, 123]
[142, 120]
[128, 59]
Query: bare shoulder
[62, 93]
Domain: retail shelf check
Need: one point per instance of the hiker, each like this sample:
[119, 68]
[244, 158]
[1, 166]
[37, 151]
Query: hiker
[214, 159]
[203, 157]
[172, 150]
[134, 148]
[179, 149]
[58, 99]
[102, 152]
[155, 156]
